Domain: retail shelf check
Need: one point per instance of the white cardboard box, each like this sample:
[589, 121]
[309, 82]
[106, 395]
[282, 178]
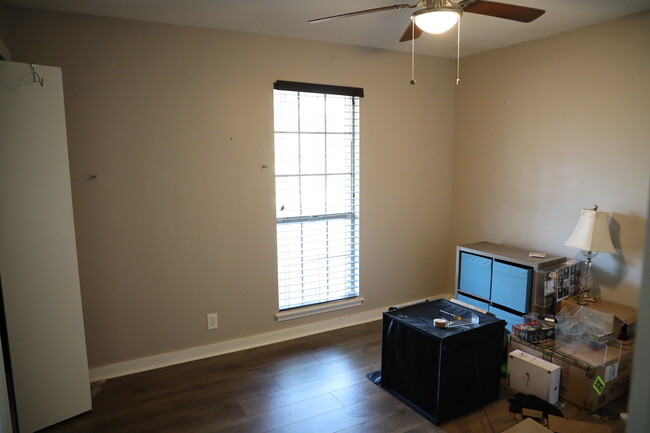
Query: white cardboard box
[532, 375]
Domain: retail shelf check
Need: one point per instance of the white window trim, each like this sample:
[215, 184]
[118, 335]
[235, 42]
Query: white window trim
[308, 310]
[311, 310]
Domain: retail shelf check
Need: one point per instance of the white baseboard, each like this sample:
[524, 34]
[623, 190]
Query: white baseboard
[172, 358]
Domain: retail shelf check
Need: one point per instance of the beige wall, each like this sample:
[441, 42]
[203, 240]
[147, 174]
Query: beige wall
[176, 123]
[548, 127]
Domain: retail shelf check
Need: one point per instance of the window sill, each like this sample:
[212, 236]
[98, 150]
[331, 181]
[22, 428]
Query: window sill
[312, 310]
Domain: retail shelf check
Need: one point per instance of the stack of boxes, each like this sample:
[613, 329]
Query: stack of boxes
[595, 365]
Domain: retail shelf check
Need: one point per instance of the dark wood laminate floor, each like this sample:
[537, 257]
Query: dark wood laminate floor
[312, 384]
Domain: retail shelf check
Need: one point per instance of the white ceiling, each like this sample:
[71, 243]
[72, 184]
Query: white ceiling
[380, 30]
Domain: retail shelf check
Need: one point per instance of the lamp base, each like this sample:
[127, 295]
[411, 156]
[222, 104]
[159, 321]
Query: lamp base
[585, 296]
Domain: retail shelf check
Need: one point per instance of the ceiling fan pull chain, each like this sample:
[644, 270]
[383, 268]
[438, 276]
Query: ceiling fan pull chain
[412, 52]
[458, 56]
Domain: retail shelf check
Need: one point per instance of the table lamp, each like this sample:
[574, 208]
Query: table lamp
[592, 236]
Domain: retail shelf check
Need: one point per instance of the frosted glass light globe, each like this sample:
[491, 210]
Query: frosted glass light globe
[436, 21]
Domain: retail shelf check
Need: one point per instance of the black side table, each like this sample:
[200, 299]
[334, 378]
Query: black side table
[441, 373]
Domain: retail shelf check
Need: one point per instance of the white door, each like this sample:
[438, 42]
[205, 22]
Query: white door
[38, 257]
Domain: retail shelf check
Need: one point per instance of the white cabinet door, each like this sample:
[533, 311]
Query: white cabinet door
[38, 257]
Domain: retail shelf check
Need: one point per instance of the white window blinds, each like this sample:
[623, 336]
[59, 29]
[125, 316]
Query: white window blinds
[317, 192]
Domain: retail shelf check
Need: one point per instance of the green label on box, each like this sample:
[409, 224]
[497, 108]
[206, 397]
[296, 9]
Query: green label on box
[599, 385]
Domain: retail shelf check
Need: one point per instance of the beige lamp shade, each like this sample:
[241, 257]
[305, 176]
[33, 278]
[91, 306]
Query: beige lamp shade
[592, 232]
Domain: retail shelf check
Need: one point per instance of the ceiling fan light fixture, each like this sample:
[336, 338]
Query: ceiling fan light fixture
[437, 20]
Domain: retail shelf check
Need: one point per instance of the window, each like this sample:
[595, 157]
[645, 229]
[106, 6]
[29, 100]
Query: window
[317, 192]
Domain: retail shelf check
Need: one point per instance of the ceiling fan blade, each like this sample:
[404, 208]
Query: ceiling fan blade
[502, 10]
[363, 12]
[408, 33]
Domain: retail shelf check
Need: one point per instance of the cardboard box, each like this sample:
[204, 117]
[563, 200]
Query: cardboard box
[532, 375]
[583, 384]
[528, 426]
[565, 425]
[558, 425]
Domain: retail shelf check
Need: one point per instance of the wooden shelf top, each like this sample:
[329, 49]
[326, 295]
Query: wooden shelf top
[513, 254]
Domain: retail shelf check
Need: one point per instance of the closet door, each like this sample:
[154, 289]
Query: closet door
[38, 257]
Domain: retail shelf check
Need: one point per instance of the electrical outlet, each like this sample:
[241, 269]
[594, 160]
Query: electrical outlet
[213, 322]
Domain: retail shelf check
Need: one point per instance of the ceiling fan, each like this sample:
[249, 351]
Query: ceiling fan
[438, 16]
